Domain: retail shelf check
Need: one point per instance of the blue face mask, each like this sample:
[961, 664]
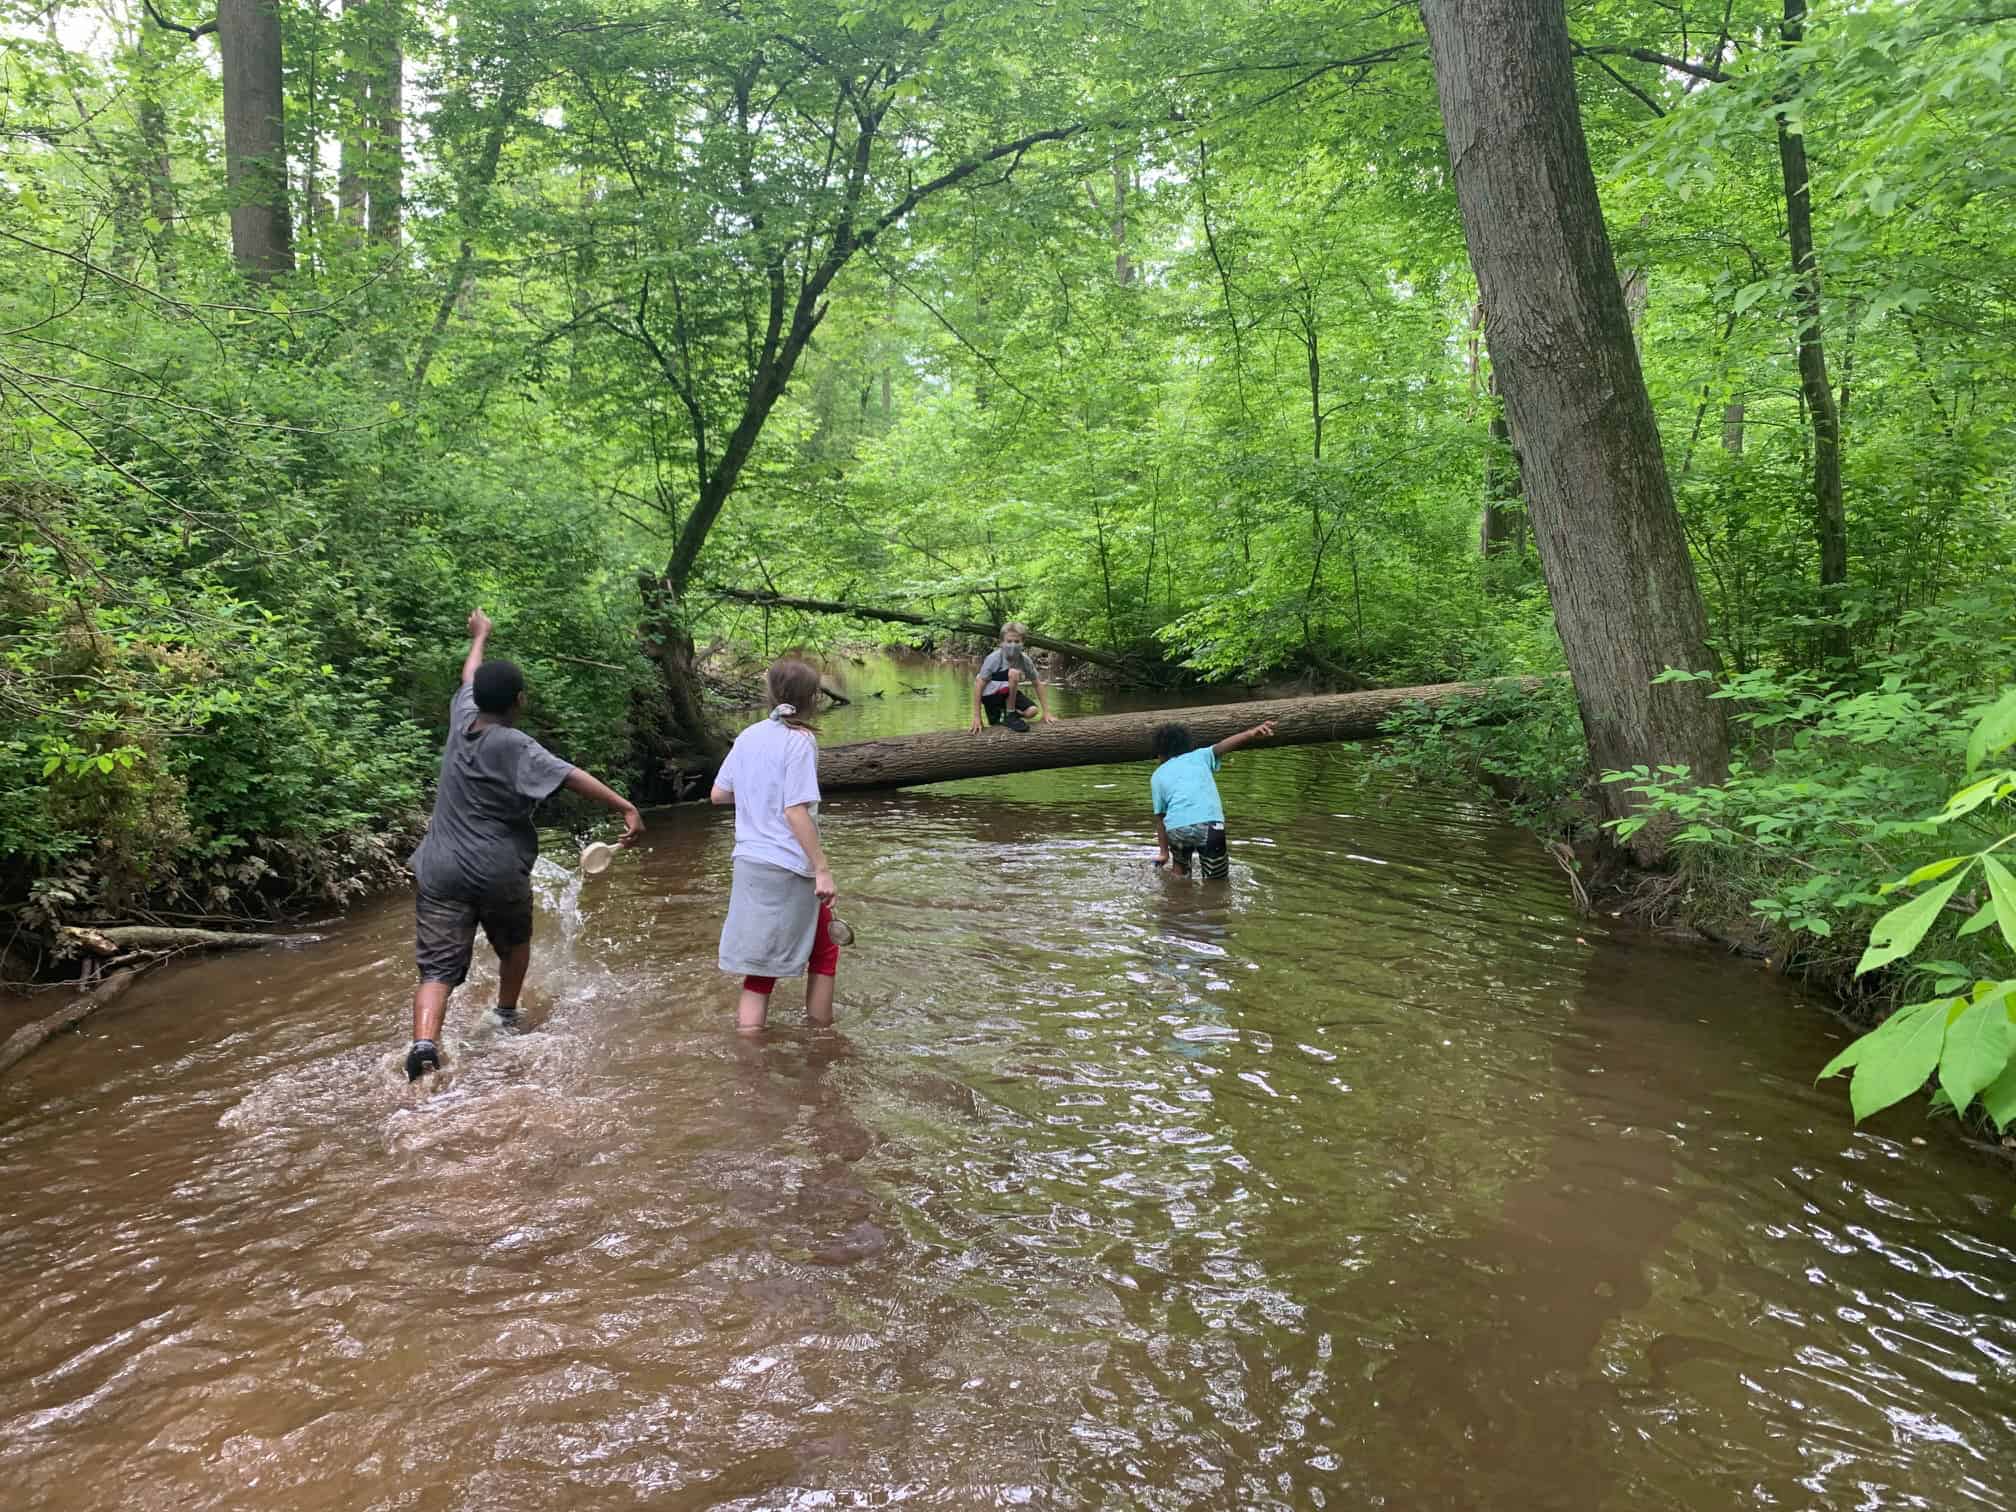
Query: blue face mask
[1011, 649]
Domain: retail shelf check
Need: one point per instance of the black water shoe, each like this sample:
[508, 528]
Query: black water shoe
[422, 1057]
[1017, 722]
[507, 1018]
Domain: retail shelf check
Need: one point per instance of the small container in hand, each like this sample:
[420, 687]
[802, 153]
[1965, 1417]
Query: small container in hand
[595, 858]
[839, 930]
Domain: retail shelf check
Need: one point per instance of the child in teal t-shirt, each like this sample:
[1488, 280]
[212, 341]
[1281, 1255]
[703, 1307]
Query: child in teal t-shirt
[1189, 818]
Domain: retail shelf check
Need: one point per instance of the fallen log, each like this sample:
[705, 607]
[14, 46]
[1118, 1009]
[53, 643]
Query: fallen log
[928, 621]
[113, 939]
[32, 1037]
[949, 755]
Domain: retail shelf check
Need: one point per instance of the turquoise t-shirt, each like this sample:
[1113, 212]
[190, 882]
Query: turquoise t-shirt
[1183, 791]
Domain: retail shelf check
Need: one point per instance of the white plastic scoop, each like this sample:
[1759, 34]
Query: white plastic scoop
[595, 858]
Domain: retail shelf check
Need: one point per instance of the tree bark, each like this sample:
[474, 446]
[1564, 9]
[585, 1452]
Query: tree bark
[1829, 517]
[475, 196]
[937, 622]
[156, 166]
[1611, 543]
[949, 755]
[29, 1038]
[255, 138]
[112, 939]
[387, 163]
[1502, 490]
[353, 153]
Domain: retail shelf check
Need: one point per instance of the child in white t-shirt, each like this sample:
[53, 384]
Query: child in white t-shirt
[780, 907]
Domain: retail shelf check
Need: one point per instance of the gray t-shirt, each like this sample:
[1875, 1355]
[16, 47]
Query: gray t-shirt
[994, 670]
[480, 843]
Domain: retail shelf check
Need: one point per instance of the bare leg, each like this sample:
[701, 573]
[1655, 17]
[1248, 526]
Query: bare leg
[430, 1006]
[819, 1000]
[751, 1012]
[511, 968]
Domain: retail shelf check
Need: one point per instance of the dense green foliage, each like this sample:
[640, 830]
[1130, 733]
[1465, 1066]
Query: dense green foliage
[1155, 329]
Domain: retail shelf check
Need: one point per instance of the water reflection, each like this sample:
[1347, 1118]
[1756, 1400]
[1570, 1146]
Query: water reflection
[1375, 1178]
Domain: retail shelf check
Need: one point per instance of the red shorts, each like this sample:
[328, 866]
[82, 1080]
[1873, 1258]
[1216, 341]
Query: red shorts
[825, 954]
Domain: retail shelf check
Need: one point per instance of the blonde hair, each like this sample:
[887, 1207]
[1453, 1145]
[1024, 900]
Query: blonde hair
[794, 682]
[1017, 626]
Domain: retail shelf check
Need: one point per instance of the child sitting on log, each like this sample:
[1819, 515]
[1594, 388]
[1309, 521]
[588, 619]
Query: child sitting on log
[1189, 816]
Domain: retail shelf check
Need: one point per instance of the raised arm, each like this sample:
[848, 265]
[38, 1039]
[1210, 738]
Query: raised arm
[588, 786]
[479, 633]
[1232, 743]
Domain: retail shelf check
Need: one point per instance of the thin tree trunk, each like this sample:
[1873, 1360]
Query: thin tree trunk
[255, 137]
[387, 176]
[1610, 539]
[1829, 518]
[948, 755]
[1502, 489]
[475, 196]
[156, 166]
[1732, 427]
[353, 151]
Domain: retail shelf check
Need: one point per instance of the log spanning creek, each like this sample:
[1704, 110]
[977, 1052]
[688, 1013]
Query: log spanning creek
[1375, 1178]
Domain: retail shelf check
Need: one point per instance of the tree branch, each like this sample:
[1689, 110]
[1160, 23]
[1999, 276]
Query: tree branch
[1708, 71]
[191, 32]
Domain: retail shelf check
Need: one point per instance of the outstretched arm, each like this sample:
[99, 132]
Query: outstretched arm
[1161, 841]
[1232, 743]
[976, 726]
[479, 633]
[588, 786]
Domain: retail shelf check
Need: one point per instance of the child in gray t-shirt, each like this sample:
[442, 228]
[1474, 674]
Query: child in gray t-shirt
[998, 691]
[475, 865]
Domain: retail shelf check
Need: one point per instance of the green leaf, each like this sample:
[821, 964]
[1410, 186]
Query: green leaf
[2002, 893]
[1977, 1047]
[49, 767]
[1898, 932]
[1749, 294]
[1983, 917]
[1929, 870]
[1996, 730]
[1999, 1098]
[105, 763]
[1901, 1064]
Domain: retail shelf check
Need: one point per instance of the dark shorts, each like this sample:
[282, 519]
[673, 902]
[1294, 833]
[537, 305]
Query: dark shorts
[996, 704]
[1205, 841]
[445, 931]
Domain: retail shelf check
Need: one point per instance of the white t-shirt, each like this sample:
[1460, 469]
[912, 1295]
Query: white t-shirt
[770, 768]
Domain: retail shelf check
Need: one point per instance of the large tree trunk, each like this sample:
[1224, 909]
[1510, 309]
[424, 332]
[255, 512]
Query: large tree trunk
[1610, 539]
[255, 138]
[933, 621]
[1829, 517]
[948, 755]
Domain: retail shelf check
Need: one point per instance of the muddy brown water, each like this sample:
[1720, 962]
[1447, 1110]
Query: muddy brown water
[1375, 1179]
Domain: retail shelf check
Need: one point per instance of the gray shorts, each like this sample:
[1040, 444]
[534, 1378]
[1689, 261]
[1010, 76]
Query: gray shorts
[1204, 841]
[444, 931]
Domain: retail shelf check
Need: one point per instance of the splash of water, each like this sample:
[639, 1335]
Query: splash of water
[558, 893]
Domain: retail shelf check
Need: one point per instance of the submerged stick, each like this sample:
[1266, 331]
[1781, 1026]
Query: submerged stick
[26, 1040]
